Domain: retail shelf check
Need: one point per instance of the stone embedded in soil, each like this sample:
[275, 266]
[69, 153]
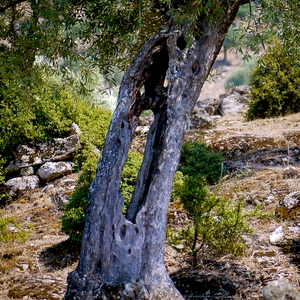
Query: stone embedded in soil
[277, 236]
[22, 184]
[53, 170]
[280, 290]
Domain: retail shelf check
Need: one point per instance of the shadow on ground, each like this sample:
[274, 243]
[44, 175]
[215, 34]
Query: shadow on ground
[60, 255]
[217, 280]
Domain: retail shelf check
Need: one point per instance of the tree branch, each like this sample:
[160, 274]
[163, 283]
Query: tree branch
[13, 3]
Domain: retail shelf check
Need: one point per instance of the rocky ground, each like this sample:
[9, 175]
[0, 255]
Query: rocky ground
[263, 157]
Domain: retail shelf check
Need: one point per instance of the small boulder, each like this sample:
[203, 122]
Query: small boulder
[27, 171]
[52, 170]
[211, 106]
[22, 183]
[146, 120]
[280, 289]
[277, 236]
[200, 119]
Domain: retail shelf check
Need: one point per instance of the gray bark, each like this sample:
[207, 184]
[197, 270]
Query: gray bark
[122, 257]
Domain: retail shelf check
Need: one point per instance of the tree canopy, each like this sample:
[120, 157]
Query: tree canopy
[105, 34]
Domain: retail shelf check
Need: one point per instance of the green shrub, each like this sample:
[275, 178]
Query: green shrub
[73, 216]
[129, 176]
[275, 85]
[34, 109]
[10, 230]
[74, 213]
[42, 107]
[217, 223]
[177, 183]
[241, 76]
[198, 161]
[93, 122]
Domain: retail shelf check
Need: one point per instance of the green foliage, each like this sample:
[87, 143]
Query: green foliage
[74, 213]
[269, 21]
[10, 230]
[129, 176]
[33, 110]
[241, 76]
[40, 107]
[198, 162]
[245, 10]
[190, 12]
[177, 183]
[217, 223]
[275, 85]
[93, 122]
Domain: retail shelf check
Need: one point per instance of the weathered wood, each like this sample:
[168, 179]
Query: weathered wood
[122, 257]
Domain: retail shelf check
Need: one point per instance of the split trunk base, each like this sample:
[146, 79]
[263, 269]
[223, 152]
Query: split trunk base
[83, 288]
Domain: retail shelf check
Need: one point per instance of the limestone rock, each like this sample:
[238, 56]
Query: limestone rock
[280, 290]
[60, 199]
[57, 149]
[291, 200]
[53, 170]
[289, 209]
[142, 130]
[146, 120]
[75, 129]
[211, 106]
[201, 119]
[27, 171]
[277, 236]
[22, 183]
[235, 100]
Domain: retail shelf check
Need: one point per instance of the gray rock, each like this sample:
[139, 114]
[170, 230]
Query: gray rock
[27, 171]
[291, 200]
[142, 130]
[280, 289]
[53, 170]
[22, 183]
[200, 119]
[57, 149]
[211, 106]
[75, 129]
[277, 236]
[60, 199]
[235, 100]
[146, 120]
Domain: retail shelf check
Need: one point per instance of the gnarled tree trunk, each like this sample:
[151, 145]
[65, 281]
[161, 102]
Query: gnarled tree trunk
[122, 257]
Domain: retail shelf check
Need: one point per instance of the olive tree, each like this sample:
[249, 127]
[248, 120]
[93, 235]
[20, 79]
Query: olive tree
[122, 257]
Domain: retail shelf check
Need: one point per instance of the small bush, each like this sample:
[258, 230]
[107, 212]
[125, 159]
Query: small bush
[241, 76]
[275, 85]
[198, 161]
[217, 223]
[10, 230]
[73, 217]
